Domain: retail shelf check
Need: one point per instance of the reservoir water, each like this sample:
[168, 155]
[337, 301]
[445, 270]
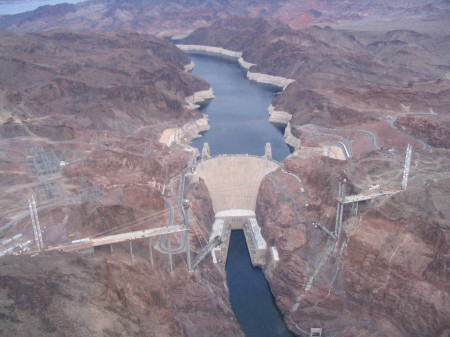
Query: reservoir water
[239, 124]
[25, 6]
[238, 114]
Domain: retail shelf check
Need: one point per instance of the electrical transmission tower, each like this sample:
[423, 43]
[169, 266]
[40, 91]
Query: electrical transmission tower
[43, 163]
[36, 225]
[407, 165]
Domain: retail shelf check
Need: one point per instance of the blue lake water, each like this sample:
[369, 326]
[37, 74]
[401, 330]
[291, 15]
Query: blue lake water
[239, 124]
[14, 8]
[238, 114]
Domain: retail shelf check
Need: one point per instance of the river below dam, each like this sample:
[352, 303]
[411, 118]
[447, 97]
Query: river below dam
[239, 124]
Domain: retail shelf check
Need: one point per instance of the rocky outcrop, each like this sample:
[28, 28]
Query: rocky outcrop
[184, 135]
[244, 64]
[279, 117]
[433, 130]
[209, 50]
[290, 139]
[283, 117]
[188, 67]
[69, 295]
[199, 97]
[194, 129]
[218, 51]
[386, 274]
[276, 81]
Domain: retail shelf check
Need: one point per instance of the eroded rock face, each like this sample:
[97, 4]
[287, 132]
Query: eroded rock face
[386, 275]
[102, 295]
[431, 129]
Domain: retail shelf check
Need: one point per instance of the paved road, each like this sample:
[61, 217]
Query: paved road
[393, 120]
[164, 239]
[346, 148]
[371, 135]
[424, 114]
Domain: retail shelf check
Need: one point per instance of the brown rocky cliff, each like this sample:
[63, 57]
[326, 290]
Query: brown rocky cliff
[433, 130]
[103, 295]
[386, 275]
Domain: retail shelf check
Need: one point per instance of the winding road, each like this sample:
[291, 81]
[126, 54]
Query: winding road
[163, 244]
[371, 136]
[393, 120]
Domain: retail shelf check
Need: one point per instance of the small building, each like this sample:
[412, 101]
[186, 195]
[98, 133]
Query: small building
[315, 332]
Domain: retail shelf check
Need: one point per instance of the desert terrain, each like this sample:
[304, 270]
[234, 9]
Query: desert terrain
[85, 89]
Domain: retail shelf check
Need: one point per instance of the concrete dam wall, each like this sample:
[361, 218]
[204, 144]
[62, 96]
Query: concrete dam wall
[233, 181]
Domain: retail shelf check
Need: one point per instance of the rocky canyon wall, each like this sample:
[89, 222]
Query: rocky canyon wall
[386, 275]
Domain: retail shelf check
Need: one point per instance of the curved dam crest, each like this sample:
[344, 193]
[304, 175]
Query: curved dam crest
[233, 184]
[233, 181]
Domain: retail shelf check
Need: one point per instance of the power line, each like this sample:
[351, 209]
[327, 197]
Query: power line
[153, 216]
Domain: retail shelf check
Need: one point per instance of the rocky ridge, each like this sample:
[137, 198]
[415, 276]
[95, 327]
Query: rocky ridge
[83, 78]
[172, 17]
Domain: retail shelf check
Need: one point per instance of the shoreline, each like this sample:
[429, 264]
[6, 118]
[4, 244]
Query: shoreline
[276, 81]
[277, 117]
[199, 97]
